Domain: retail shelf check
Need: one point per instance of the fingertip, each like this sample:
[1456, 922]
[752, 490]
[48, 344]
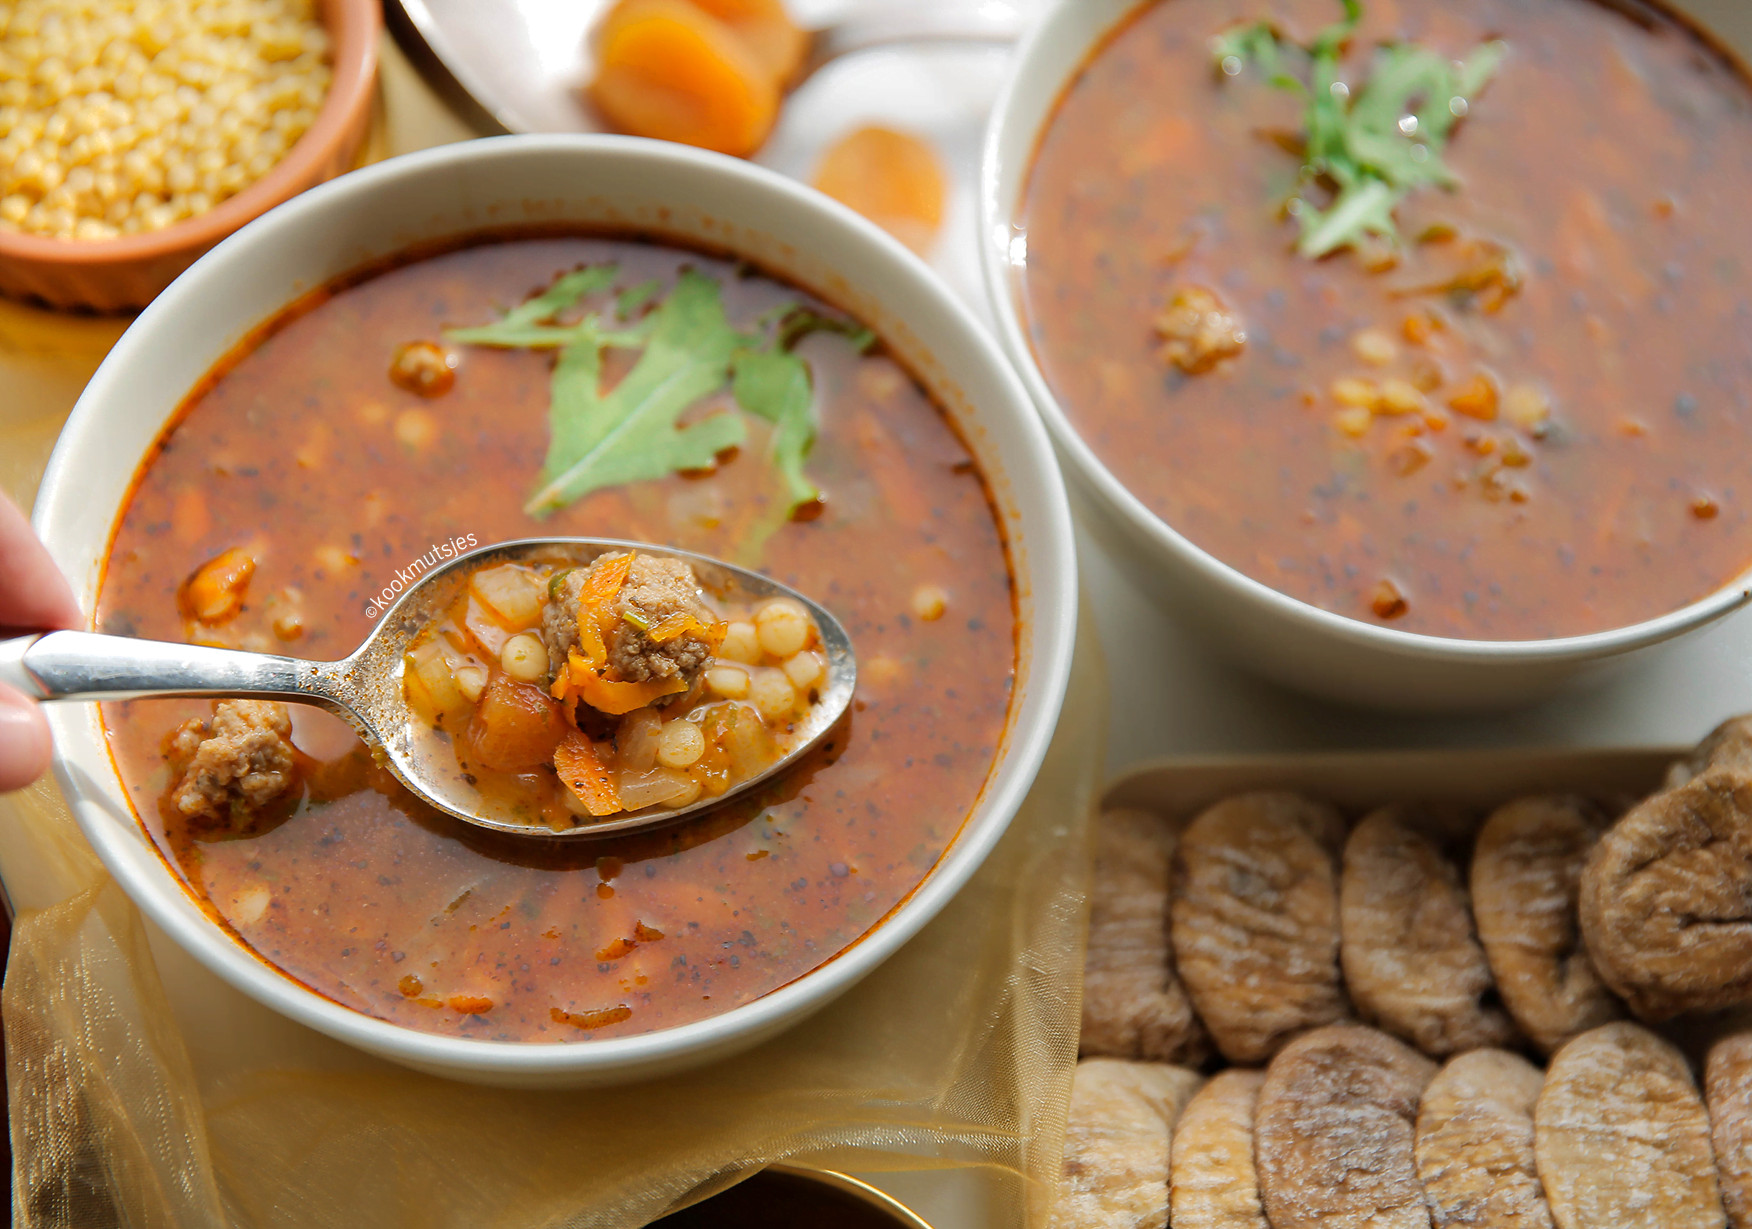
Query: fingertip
[24, 741]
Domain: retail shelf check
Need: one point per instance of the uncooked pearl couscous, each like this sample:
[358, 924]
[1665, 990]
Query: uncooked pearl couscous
[119, 117]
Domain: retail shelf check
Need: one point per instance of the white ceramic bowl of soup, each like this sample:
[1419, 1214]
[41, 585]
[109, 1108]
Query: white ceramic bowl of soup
[591, 181]
[1271, 633]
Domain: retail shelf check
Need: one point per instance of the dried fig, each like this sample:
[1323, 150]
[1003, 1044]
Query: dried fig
[1212, 1183]
[1412, 961]
[1526, 869]
[1336, 1120]
[1666, 899]
[1133, 1004]
[1255, 921]
[1727, 1081]
[1729, 745]
[1116, 1143]
[1475, 1144]
[1622, 1137]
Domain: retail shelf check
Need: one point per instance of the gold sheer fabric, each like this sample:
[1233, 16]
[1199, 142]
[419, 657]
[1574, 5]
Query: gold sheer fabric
[956, 1052]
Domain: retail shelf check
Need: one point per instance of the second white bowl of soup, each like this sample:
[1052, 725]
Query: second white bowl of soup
[1447, 437]
[313, 416]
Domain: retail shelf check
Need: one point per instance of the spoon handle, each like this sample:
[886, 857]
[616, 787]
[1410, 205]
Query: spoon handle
[87, 666]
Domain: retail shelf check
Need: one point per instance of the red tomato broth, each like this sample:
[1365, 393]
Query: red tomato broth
[368, 888]
[1605, 151]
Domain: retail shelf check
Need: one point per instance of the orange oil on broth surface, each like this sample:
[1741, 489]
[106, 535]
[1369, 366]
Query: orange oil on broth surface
[1612, 155]
[305, 451]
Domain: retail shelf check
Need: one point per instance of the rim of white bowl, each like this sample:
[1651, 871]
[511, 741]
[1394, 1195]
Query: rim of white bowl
[1022, 91]
[1051, 564]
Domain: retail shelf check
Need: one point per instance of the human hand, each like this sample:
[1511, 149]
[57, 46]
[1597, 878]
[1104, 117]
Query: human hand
[34, 597]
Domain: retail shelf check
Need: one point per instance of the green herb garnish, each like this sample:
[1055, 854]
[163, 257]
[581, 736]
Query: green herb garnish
[630, 300]
[688, 352]
[775, 385]
[1365, 148]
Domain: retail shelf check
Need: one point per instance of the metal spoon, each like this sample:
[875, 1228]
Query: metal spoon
[523, 64]
[365, 688]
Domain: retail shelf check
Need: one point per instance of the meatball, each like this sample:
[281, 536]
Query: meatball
[655, 589]
[1198, 331]
[559, 618]
[234, 764]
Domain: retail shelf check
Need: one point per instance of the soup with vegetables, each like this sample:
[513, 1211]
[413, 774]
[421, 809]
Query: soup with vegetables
[562, 692]
[558, 385]
[1433, 315]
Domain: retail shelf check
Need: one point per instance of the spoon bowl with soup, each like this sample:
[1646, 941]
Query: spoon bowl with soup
[557, 687]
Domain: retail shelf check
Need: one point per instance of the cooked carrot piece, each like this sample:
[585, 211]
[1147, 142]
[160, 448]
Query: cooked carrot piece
[767, 31]
[515, 728]
[681, 623]
[579, 679]
[669, 70]
[891, 178]
[601, 585]
[582, 771]
[618, 1014]
[616, 699]
[1477, 398]
[214, 593]
[612, 697]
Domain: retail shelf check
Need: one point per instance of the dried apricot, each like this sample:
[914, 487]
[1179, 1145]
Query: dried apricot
[669, 70]
[767, 31]
[892, 178]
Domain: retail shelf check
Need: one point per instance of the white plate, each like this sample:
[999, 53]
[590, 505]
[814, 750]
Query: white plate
[522, 64]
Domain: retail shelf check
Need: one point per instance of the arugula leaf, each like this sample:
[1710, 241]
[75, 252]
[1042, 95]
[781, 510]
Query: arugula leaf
[774, 384]
[1366, 209]
[796, 323]
[1257, 44]
[575, 394]
[1371, 147]
[689, 351]
[631, 435]
[633, 298]
[522, 326]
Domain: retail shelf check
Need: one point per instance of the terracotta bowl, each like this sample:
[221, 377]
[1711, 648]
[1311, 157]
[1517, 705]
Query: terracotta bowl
[126, 273]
